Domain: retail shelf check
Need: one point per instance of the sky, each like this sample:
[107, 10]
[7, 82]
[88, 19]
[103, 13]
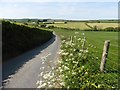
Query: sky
[59, 9]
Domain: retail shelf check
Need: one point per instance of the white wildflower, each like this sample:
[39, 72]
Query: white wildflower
[82, 66]
[61, 70]
[59, 61]
[63, 41]
[50, 86]
[53, 68]
[39, 82]
[76, 32]
[81, 50]
[86, 51]
[92, 46]
[96, 57]
[65, 54]
[52, 74]
[66, 68]
[66, 76]
[45, 76]
[74, 49]
[62, 83]
[79, 71]
[72, 44]
[74, 36]
[43, 62]
[67, 60]
[73, 82]
[73, 73]
[71, 54]
[41, 74]
[61, 51]
[43, 68]
[68, 86]
[74, 61]
[80, 54]
[79, 39]
[41, 86]
[89, 45]
[83, 34]
[99, 86]
[49, 83]
[72, 58]
[86, 72]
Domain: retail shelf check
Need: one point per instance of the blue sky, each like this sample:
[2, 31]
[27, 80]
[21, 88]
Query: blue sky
[59, 9]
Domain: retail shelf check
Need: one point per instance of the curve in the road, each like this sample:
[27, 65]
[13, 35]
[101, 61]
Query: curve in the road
[22, 71]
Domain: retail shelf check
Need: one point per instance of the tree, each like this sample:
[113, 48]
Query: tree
[95, 28]
[29, 20]
[65, 22]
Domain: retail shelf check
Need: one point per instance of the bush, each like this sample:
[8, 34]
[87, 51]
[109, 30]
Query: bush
[43, 25]
[50, 27]
[65, 22]
[25, 24]
[109, 29]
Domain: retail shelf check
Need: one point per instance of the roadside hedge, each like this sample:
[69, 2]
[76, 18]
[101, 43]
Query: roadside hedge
[17, 39]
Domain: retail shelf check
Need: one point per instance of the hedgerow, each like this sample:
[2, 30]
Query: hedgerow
[20, 38]
[108, 29]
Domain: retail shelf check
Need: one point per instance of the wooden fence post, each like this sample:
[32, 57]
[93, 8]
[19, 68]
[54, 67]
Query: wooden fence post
[104, 55]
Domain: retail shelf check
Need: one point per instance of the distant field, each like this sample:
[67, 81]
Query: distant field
[73, 25]
[82, 25]
[103, 25]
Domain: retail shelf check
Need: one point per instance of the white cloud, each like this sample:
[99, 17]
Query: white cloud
[59, 10]
[66, 10]
[59, 1]
[14, 12]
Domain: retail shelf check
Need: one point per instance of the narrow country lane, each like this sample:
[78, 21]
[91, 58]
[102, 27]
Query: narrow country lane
[24, 70]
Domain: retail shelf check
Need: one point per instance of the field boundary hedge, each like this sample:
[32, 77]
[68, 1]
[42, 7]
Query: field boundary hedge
[18, 39]
[108, 29]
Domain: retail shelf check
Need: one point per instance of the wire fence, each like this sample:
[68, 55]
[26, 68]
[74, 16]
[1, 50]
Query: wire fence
[111, 64]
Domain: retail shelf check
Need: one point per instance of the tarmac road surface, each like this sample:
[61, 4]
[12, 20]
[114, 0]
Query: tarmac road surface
[23, 71]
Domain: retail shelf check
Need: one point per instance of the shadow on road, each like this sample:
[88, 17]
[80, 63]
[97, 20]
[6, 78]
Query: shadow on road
[12, 65]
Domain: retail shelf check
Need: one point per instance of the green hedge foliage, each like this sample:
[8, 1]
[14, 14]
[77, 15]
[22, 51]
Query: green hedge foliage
[20, 38]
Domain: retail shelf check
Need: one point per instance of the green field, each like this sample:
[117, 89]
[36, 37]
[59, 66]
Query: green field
[83, 26]
[97, 39]
[73, 25]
